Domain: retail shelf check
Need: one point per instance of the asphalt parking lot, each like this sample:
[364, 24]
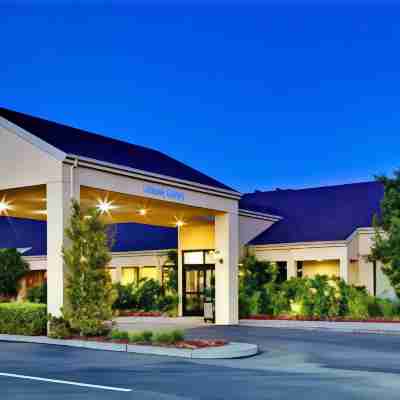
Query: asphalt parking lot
[293, 364]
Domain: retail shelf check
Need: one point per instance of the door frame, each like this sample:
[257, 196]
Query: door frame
[198, 267]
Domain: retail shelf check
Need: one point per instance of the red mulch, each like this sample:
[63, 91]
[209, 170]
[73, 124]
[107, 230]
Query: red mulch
[184, 344]
[123, 313]
[200, 344]
[338, 319]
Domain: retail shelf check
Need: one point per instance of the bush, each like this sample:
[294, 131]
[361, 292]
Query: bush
[169, 304]
[58, 328]
[168, 337]
[119, 335]
[126, 298]
[23, 319]
[165, 337]
[141, 337]
[37, 294]
[148, 294]
[12, 268]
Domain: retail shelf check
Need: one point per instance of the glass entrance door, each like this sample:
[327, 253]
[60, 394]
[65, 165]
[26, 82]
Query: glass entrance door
[198, 281]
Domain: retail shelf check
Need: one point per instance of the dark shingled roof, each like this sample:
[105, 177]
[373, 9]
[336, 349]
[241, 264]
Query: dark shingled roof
[25, 233]
[85, 144]
[316, 214]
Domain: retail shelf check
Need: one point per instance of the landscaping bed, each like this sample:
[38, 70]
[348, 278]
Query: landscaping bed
[127, 313]
[336, 319]
[181, 344]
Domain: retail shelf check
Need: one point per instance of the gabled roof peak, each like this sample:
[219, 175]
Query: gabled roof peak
[77, 142]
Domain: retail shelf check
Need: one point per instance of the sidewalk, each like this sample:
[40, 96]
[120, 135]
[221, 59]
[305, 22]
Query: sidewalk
[349, 327]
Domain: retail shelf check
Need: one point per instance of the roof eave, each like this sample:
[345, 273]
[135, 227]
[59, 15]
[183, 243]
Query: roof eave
[158, 178]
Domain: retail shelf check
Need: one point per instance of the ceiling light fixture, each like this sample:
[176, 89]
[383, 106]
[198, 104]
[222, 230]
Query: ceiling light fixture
[4, 206]
[105, 206]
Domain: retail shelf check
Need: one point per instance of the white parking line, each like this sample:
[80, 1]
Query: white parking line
[34, 378]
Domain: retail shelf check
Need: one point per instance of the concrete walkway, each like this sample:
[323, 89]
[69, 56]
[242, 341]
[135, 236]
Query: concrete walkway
[352, 327]
[132, 324]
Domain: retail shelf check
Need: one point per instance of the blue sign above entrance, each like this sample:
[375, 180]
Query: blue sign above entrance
[164, 192]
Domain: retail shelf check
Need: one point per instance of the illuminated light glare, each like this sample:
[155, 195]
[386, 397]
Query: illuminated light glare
[105, 206]
[142, 211]
[4, 206]
[41, 212]
[179, 223]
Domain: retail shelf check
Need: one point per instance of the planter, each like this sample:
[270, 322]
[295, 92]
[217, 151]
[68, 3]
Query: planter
[128, 313]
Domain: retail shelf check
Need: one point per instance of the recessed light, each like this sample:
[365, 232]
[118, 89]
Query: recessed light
[4, 206]
[105, 206]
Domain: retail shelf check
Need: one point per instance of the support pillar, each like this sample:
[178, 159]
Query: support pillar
[226, 269]
[59, 194]
[180, 273]
[344, 267]
[291, 266]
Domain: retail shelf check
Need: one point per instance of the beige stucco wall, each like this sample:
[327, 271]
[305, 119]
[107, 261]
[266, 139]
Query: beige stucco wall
[22, 164]
[249, 228]
[197, 237]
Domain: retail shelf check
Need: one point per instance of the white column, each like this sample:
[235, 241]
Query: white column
[58, 213]
[291, 266]
[180, 274]
[226, 271]
[344, 266]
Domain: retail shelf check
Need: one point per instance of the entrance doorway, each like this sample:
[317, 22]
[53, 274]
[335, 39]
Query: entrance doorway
[198, 281]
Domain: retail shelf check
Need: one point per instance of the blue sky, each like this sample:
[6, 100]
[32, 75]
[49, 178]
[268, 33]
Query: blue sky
[256, 94]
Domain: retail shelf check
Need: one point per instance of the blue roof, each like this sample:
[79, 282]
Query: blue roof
[316, 214]
[85, 144]
[25, 233]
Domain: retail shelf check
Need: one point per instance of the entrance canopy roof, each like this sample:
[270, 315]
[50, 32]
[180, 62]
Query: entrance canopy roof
[30, 203]
[79, 143]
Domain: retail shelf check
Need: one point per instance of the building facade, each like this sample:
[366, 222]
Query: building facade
[157, 204]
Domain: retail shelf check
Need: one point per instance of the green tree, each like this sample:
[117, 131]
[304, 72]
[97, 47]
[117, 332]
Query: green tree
[386, 242]
[89, 291]
[12, 268]
[172, 265]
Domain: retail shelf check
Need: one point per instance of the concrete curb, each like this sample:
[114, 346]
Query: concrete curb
[340, 327]
[230, 350]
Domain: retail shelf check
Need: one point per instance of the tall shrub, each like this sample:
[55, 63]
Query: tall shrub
[89, 291]
[172, 265]
[386, 246]
[12, 268]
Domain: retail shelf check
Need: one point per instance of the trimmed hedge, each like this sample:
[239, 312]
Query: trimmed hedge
[23, 319]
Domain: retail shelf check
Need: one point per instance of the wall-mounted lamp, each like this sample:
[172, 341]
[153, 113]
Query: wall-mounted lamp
[218, 256]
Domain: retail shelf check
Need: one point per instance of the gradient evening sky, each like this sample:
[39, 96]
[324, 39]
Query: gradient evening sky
[259, 95]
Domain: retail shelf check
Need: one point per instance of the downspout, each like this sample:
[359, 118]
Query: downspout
[73, 166]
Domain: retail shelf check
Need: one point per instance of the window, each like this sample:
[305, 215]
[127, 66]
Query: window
[149, 273]
[282, 271]
[193, 257]
[130, 275]
[299, 269]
